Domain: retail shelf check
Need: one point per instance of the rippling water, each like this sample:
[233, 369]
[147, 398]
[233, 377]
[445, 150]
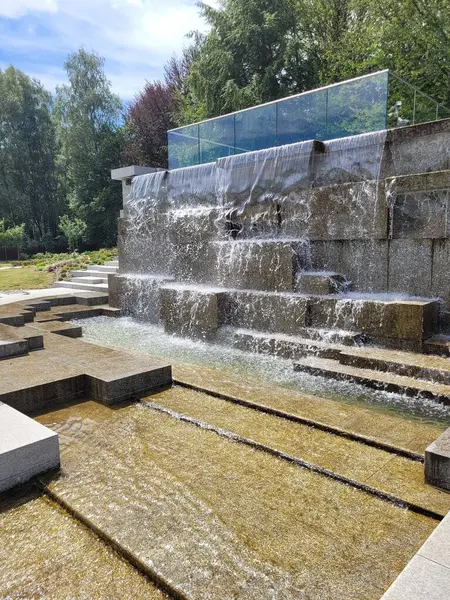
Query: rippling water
[220, 520]
[151, 339]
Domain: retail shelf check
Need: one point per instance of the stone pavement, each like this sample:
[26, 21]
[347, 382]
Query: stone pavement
[8, 298]
[427, 575]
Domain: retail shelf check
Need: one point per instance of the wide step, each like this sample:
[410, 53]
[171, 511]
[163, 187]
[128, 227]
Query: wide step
[88, 273]
[431, 368]
[91, 279]
[76, 285]
[390, 382]
[285, 346]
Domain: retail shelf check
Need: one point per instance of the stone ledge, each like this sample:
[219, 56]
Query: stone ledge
[427, 575]
[27, 448]
[437, 464]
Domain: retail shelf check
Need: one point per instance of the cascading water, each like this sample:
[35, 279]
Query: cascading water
[307, 218]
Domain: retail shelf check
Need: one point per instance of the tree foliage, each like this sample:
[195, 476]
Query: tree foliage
[86, 115]
[27, 154]
[261, 50]
[74, 229]
[11, 237]
[148, 119]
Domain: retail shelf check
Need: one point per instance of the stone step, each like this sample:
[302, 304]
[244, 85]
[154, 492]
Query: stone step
[390, 382]
[430, 368]
[285, 346]
[76, 285]
[16, 341]
[90, 279]
[11, 344]
[104, 268]
[111, 263]
[438, 344]
[320, 282]
[27, 448]
[88, 273]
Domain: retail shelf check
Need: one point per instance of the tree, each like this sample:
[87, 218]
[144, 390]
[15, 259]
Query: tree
[11, 237]
[255, 52]
[27, 155]
[90, 144]
[74, 229]
[148, 119]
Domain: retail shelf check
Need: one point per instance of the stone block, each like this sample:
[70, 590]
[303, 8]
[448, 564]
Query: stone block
[27, 448]
[420, 215]
[66, 329]
[364, 263]
[137, 295]
[440, 281]
[121, 384]
[399, 320]
[39, 305]
[91, 298]
[194, 226]
[319, 283]
[272, 312]
[349, 211]
[409, 319]
[418, 149]
[267, 265]
[145, 247]
[410, 266]
[191, 311]
[437, 463]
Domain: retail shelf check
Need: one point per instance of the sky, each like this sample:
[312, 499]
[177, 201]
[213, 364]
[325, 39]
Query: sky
[136, 37]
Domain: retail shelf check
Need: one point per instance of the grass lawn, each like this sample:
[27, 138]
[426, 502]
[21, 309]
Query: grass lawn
[24, 278]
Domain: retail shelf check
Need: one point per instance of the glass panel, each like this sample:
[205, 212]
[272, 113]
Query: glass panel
[255, 128]
[183, 147]
[216, 138]
[400, 103]
[425, 109]
[357, 106]
[302, 118]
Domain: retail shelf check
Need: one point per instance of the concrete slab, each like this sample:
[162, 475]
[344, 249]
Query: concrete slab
[427, 575]
[67, 329]
[27, 448]
[437, 546]
[11, 343]
[9, 298]
[422, 579]
[437, 463]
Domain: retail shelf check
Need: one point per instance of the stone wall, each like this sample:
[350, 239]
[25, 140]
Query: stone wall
[371, 208]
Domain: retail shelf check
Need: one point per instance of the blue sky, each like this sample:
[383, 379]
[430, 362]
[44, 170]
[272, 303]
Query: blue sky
[135, 37]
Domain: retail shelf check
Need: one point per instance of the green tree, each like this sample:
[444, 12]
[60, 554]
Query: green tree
[255, 52]
[11, 237]
[74, 229]
[90, 140]
[27, 155]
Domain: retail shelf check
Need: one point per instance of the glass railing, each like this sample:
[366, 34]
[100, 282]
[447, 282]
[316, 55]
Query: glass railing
[369, 103]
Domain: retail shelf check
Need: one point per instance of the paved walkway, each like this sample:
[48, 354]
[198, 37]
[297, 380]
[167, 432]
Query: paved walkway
[9, 297]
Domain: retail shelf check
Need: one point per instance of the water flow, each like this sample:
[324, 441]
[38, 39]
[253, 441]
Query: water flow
[254, 222]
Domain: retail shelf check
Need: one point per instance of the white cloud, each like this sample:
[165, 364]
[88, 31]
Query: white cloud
[135, 36]
[18, 8]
